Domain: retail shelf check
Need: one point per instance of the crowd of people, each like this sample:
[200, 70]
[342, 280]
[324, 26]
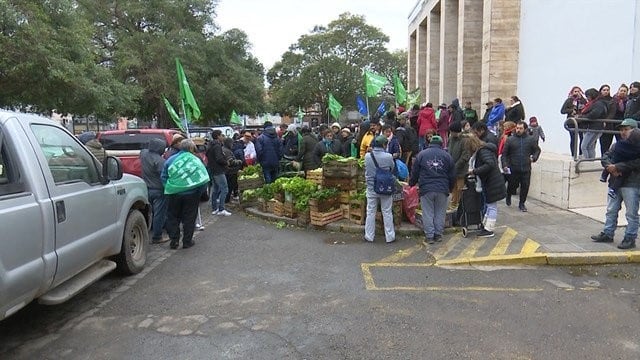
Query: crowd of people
[592, 106]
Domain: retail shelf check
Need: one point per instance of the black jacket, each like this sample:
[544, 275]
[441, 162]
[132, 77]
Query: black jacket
[633, 107]
[152, 164]
[519, 152]
[515, 113]
[489, 138]
[486, 168]
[306, 152]
[598, 110]
[216, 161]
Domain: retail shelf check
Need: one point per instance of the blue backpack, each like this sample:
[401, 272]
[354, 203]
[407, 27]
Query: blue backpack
[384, 182]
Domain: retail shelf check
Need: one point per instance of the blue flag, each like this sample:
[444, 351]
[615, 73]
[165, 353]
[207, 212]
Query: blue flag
[382, 108]
[362, 106]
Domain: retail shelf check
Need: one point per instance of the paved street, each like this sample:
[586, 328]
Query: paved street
[249, 290]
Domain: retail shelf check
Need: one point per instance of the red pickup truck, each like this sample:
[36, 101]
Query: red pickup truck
[126, 145]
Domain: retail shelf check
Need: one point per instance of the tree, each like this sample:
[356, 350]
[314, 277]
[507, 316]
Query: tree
[49, 61]
[331, 59]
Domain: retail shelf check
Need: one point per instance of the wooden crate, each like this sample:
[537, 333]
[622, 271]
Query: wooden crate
[340, 169]
[278, 208]
[345, 210]
[315, 176]
[279, 196]
[304, 217]
[324, 218]
[358, 211]
[343, 184]
[324, 205]
[247, 184]
[345, 196]
[288, 210]
[396, 211]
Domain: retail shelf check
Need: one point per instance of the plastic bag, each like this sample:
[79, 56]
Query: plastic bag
[410, 202]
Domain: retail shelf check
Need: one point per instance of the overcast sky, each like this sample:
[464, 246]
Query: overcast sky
[273, 25]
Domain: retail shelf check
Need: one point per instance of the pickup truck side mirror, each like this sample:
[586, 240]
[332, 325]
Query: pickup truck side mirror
[111, 168]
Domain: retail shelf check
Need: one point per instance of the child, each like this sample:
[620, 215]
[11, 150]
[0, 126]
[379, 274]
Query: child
[535, 129]
[621, 151]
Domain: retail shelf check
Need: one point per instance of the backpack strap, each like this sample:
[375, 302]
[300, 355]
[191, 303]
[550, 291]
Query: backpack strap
[374, 160]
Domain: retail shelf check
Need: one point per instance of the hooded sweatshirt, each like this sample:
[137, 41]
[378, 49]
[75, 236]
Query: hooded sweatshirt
[269, 148]
[152, 163]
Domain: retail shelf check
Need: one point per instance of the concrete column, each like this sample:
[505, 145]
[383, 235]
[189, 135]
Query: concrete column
[412, 62]
[470, 53]
[635, 66]
[500, 48]
[431, 92]
[421, 80]
[448, 50]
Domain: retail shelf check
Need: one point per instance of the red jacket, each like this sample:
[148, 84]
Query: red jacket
[427, 121]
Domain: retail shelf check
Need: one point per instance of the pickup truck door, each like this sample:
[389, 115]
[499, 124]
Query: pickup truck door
[85, 210]
[25, 232]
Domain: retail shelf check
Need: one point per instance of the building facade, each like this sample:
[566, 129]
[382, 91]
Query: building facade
[477, 50]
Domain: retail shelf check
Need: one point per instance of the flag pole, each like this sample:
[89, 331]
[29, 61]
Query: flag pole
[368, 112]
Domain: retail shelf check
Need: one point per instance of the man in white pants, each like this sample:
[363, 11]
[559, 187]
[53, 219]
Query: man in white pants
[385, 161]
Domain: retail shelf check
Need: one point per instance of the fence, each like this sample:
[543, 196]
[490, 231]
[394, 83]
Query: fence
[576, 125]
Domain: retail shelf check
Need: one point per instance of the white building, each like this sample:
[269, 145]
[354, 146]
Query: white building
[477, 50]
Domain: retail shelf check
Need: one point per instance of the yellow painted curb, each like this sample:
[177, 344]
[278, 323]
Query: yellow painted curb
[515, 259]
[634, 256]
[593, 258]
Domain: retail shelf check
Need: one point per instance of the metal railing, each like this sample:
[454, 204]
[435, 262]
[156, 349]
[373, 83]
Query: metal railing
[576, 130]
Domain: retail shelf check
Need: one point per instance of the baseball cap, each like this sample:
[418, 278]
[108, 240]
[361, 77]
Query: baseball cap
[435, 139]
[628, 122]
[381, 141]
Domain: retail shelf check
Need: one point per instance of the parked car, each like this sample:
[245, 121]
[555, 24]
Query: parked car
[126, 145]
[66, 219]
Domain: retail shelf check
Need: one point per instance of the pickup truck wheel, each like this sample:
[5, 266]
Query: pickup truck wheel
[133, 255]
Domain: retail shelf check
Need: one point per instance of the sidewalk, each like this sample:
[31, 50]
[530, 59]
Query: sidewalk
[544, 235]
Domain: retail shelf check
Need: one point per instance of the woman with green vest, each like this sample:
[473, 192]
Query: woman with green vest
[185, 178]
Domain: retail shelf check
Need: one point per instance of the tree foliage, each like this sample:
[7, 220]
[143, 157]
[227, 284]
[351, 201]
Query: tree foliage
[112, 58]
[331, 59]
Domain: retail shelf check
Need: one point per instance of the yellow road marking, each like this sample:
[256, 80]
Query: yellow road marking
[529, 247]
[368, 278]
[472, 248]
[400, 254]
[454, 288]
[447, 246]
[503, 243]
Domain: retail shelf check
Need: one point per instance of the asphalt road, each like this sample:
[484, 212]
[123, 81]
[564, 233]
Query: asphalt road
[249, 290]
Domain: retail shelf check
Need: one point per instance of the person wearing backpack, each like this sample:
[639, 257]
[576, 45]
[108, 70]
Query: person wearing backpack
[434, 173]
[378, 171]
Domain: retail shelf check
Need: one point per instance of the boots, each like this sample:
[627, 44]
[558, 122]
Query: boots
[627, 243]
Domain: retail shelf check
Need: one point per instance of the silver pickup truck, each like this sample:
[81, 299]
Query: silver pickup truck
[66, 220]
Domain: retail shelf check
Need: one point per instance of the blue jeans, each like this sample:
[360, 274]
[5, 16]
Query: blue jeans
[422, 143]
[434, 210]
[588, 145]
[631, 197]
[159, 207]
[270, 174]
[219, 192]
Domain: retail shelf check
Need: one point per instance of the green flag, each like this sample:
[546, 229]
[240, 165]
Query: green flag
[172, 113]
[192, 111]
[235, 119]
[334, 107]
[300, 114]
[399, 90]
[373, 83]
[413, 97]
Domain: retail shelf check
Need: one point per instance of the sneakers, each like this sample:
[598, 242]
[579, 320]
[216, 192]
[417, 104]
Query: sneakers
[199, 227]
[627, 244]
[522, 208]
[223, 213]
[485, 233]
[214, 212]
[603, 238]
[188, 245]
[437, 238]
[429, 241]
[508, 200]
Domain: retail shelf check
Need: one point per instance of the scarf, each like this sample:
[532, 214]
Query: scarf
[472, 165]
[186, 172]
